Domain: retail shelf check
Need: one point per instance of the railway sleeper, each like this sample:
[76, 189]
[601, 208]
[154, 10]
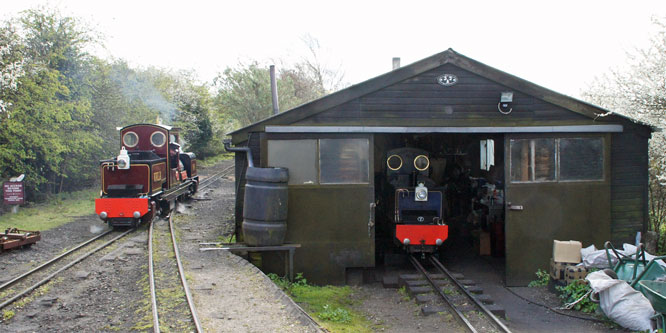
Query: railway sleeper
[431, 309]
[497, 310]
[422, 293]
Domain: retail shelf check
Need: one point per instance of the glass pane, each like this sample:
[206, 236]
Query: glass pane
[520, 161]
[581, 159]
[344, 161]
[532, 160]
[299, 156]
[544, 159]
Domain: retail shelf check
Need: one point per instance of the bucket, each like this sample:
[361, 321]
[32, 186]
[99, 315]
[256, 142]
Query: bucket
[265, 206]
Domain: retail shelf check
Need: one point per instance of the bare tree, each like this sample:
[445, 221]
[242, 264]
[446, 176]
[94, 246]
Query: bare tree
[328, 77]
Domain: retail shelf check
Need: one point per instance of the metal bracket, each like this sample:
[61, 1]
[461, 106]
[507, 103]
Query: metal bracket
[371, 219]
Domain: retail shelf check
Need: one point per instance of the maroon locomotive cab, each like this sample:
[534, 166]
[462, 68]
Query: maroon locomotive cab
[134, 181]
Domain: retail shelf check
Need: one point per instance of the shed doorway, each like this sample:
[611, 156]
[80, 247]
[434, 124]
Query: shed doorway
[468, 169]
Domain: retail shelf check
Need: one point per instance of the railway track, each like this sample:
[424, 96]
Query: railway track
[26, 283]
[211, 179]
[471, 313]
[168, 287]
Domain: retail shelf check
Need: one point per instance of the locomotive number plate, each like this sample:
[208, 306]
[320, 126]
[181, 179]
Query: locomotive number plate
[157, 176]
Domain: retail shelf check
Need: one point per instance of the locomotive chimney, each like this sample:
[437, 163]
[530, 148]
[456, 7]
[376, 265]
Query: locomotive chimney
[396, 62]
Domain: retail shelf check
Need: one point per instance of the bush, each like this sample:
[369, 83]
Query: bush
[542, 279]
[573, 292]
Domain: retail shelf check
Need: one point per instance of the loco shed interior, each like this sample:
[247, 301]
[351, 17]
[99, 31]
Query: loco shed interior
[468, 171]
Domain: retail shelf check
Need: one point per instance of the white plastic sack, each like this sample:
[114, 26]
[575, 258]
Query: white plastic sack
[621, 303]
[596, 258]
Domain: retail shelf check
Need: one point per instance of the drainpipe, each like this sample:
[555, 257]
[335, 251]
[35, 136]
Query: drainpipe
[246, 150]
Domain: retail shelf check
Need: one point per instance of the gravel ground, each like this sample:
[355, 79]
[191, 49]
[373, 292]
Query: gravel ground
[109, 291]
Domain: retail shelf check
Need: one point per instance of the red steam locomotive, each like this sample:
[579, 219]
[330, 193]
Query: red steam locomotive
[148, 175]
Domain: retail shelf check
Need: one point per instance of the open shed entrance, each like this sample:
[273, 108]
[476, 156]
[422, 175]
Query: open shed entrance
[468, 170]
[506, 195]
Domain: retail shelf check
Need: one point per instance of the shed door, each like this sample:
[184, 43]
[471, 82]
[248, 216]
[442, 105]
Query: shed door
[330, 195]
[557, 187]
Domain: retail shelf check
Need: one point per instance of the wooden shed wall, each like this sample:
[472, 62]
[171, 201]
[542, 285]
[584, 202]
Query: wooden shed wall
[421, 101]
[629, 183]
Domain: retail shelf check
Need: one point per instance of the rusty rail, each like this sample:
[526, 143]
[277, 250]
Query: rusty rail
[62, 269]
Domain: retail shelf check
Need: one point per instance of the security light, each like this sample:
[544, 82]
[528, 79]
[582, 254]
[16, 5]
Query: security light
[506, 100]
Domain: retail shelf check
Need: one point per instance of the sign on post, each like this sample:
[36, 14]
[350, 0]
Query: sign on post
[14, 193]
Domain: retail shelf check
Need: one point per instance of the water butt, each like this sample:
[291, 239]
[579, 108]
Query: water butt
[265, 206]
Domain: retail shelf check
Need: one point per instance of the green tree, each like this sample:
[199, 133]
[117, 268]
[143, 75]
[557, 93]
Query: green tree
[244, 92]
[47, 132]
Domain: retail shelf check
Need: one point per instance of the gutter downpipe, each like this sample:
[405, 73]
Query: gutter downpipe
[246, 150]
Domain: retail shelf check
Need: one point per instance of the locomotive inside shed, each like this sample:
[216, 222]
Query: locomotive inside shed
[465, 175]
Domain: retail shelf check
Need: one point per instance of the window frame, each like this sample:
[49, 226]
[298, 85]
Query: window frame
[557, 156]
[317, 138]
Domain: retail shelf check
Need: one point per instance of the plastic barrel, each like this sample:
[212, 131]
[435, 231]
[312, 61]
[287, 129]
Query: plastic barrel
[265, 206]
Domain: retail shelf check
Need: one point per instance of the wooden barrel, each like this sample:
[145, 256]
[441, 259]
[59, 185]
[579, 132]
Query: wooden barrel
[265, 206]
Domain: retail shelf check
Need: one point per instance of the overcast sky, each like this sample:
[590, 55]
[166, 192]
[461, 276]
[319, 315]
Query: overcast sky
[561, 45]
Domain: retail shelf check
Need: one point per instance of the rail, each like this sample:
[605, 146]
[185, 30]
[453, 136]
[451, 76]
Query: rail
[181, 273]
[458, 314]
[51, 261]
[62, 269]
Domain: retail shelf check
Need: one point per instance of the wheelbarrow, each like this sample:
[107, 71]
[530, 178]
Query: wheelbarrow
[655, 291]
[634, 268]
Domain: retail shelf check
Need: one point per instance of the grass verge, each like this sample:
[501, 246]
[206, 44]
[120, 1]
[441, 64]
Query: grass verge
[330, 306]
[61, 209]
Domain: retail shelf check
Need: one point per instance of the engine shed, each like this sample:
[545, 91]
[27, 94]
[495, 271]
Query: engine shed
[512, 160]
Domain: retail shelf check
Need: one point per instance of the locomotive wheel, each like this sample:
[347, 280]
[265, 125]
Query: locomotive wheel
[165, 208]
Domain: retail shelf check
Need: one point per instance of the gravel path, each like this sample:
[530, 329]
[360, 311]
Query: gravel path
[109, 291]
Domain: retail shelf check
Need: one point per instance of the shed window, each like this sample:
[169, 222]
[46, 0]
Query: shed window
[344, 161]
[533, 160]
[299, 156]
[581, 159]
[565, 159]
[322, 161]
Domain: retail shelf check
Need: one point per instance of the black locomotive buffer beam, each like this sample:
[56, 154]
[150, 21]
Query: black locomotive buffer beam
[496, 321]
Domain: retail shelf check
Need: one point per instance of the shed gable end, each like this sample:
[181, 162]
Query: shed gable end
[422, 101]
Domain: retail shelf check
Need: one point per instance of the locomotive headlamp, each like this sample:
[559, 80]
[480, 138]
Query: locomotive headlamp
[394, 162]
[421, 193]
[103, 215]
[136, 214]
[421, 163]
[123, 159]
[406, 241]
